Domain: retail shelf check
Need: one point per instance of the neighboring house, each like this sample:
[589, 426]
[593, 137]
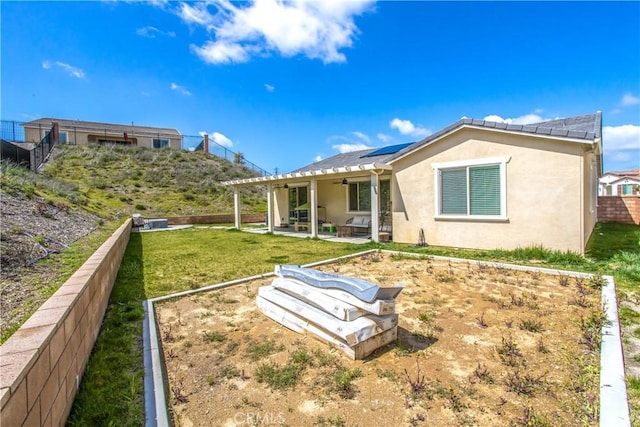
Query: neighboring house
[80, 132]
[624, 183]
[474, 184]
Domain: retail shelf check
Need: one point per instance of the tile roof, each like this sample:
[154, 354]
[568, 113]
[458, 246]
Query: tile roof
[587, 127]
[102, 127]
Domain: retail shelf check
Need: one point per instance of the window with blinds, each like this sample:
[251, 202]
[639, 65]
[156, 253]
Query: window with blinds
[471, 190]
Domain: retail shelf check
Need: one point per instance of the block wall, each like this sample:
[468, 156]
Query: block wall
[623, 209]
[43, 361]
[216, 219]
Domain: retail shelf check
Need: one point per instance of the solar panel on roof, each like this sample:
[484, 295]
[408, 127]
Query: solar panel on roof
[391, 149]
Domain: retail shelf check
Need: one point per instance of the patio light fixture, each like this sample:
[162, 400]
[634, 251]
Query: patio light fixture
[286, 186]
[344, 181]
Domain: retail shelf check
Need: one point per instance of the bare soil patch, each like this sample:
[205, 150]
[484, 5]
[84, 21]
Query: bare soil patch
[478, 345]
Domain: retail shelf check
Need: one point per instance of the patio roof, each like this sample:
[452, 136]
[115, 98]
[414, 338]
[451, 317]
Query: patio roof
[320, 172]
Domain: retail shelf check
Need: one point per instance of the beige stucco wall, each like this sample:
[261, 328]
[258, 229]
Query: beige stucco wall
[331, 194]
[545, 193]
[82, 137]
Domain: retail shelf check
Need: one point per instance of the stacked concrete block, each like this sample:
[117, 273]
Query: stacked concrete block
[351, 314]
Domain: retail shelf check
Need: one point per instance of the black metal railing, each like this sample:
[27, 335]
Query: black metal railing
[13, 131]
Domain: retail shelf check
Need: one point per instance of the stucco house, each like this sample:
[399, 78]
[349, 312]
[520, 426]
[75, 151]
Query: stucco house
[82, 132]
[474, 184]
[620, 183]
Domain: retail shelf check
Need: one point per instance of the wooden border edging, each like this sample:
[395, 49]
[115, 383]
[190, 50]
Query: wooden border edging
[44, 360]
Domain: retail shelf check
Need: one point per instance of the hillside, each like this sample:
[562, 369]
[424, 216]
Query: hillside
[83, 192]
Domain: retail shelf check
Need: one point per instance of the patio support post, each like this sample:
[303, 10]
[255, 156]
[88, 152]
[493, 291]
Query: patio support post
[375, 208]
[236, 207]
[314, 207]
[270, 208]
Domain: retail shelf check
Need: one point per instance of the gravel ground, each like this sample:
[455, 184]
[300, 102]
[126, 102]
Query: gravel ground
[30, 230]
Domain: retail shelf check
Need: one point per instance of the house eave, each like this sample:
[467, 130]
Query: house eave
[314, 173]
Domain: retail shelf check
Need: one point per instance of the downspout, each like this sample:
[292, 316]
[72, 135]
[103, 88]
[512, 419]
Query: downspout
[375, 204]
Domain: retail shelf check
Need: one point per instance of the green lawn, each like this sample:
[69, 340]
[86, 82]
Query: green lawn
[162, 263]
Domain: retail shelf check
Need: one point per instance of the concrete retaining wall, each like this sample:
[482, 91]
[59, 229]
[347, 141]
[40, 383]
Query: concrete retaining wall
[217, 219]
[623, 209]
[43, 361]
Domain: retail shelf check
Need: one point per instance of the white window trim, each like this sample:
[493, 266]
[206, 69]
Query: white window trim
[501, 161]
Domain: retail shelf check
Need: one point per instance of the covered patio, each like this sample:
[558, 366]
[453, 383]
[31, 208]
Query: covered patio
[318, 198]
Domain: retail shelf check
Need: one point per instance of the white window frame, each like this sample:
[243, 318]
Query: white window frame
[153, 140]
[501, 161]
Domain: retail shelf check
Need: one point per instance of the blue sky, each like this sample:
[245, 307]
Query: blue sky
[290, 83]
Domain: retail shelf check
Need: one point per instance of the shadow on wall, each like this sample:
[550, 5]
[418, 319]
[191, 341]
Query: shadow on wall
[115, 371]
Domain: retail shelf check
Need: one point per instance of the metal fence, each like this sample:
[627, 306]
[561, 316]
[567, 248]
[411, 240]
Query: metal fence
[27, 156]
[41, 151]
[13, 131]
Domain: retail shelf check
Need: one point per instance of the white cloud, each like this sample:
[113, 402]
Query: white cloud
[317, 30]
[70, 69]
[361, 136]
[628, 100]
[218, 138]
[384, 138]
[180, 89]
[620, 138]
[221, 52]
[221, 139]
[317, 158]
[521, 120]
[197, 14]
[405, 127]
[269, 88]
[151, 32]
[347, 148]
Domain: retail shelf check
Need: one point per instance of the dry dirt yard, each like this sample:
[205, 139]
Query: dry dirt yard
[478, 345]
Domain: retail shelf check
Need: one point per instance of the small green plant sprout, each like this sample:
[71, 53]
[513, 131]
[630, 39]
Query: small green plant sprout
[597, 281]
[591, 327]
[523, 384]
[427, 317]
[336, 421]
[530, 419]
[541, 347]
[401, 348]
[276, 377]
[509, 352]
[531, 325]
[388, 374]
[213, 336]
[517, 301]
[481, 374]
[343, 382]
[563, 281]
[260, 351]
